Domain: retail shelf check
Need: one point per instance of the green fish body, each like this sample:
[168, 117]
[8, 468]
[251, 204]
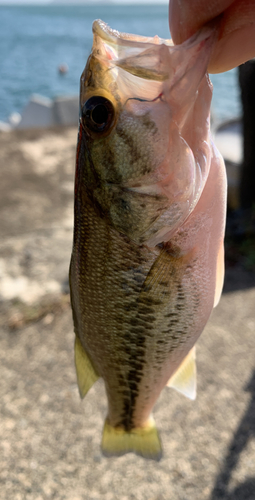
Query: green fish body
[150, 193]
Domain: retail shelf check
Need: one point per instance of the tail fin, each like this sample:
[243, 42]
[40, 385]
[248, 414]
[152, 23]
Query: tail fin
[143, 441]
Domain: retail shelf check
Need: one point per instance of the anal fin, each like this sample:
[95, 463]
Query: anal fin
[184, 380]
[143, 441]
[86, 373]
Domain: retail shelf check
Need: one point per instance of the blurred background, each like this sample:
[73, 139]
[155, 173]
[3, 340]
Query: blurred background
[49, 440]
[37, 39]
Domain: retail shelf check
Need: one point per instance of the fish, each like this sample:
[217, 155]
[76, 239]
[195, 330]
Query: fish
[147, 264]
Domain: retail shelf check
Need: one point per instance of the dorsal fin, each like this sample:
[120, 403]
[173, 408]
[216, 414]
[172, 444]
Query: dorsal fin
[86, 373]
[184, 380]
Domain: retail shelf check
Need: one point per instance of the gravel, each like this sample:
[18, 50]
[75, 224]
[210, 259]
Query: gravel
[49, 439]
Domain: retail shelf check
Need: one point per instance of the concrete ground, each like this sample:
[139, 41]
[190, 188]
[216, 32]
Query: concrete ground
[49, 439]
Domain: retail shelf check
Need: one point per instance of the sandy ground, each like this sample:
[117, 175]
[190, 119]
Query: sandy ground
[49, 439]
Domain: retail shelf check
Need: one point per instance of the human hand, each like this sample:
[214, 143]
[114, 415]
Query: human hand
[236, 20]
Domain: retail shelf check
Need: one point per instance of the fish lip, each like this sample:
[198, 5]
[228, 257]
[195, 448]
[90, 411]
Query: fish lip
[115, 37]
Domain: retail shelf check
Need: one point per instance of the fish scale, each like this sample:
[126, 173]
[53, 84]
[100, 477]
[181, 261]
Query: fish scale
[150, 197]
[127, 325]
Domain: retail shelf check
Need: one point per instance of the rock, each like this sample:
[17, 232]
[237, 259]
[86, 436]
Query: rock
[66, 110]
[5, 127]
[43, 112]
[37, 113]
[14, 119]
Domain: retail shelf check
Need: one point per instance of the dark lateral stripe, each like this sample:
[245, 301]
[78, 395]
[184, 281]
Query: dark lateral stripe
[140, 328]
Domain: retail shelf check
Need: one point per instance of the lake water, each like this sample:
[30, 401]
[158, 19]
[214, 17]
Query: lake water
[35, 40]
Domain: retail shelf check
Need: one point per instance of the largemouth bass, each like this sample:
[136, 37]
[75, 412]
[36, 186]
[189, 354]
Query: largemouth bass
[147, 263]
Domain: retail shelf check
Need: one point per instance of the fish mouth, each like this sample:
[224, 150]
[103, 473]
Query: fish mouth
[138, 55]
[122, 67]
[149, 58]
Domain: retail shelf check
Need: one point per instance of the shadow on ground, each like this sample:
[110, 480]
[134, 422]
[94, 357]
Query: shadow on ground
[245, 431]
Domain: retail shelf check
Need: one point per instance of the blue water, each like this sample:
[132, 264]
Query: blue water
[35, 40]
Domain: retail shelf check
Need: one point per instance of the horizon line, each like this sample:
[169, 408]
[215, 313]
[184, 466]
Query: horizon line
[17, 3]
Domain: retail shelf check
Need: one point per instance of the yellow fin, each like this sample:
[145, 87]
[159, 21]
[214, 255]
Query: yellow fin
[184, 380]
[219, 275]
[143, 441]
[86, 373]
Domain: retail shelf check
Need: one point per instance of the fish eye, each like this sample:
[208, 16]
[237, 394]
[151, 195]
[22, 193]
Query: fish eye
[97, 114]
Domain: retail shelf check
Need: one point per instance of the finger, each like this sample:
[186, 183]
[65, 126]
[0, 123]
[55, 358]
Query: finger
[233, 50]
[236, 43]
[186, 16]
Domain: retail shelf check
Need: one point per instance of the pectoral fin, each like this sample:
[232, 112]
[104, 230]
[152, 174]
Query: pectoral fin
[219, 275]
[86, 373]
[143, 441]
[184, 380]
